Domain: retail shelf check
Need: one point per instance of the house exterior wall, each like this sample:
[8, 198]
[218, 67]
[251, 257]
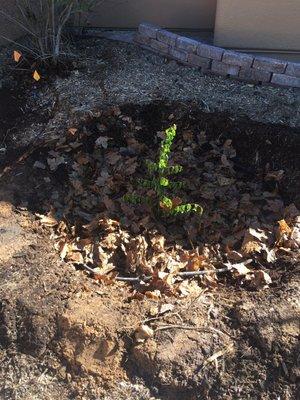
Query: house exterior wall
[7, 28]
[258, 24]
[243, 24]
[189, 14]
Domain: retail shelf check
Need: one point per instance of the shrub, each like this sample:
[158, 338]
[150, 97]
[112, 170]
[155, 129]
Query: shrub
[159, 181]
[44, 22]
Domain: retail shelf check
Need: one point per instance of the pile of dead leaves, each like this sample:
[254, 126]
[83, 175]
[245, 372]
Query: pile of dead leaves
[246, 227]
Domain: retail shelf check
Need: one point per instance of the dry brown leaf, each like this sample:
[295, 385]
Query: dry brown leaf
[77, 185]
[188, 288]
[270, 254]
[154, 295]
[102, 141]
[143, 333]
[130, 166]
[295, 238]
[210, 280]
[36, 76]
[83, 159]
[102, 179]
[135, 145]
[106, 224]
[252, 242]
[111, 241]
[283, 232]
[260, 279]
[258, 234]
[113, 157]
[166, 308]
[109, 204]
[48, 220]
[158, 243]
[75, 257]
[64, 250]
[233, 255]
[251, 246]
[17, 56]
[196, 262]
[284, 228]
[163, 282]
[240, 269]
[72, 131]
[135, 251]
[105, 269]
[224, 181]
[55, 162]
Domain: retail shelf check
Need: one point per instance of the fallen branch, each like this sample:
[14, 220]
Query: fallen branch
[187, 274]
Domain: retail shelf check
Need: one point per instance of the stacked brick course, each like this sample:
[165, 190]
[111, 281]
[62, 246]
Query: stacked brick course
[212, 59]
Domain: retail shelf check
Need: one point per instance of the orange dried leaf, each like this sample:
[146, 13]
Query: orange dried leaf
[17, 56]
[72, 131]
[283, 227]
[155, 295]
[196, 263]
[36, 76]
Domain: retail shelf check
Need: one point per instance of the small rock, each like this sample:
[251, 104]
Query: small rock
[39, 165]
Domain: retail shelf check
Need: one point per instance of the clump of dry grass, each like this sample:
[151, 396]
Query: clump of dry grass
[44, 22]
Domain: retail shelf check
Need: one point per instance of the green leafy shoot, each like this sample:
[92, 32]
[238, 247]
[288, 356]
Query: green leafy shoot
[165, 190]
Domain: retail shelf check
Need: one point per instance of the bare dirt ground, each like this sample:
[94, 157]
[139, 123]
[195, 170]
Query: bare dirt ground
[64, 335]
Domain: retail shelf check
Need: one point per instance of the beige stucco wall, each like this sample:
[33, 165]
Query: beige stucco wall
[258, 24]
[191, 14]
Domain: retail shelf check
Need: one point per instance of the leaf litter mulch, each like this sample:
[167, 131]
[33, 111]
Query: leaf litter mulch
[249, 234]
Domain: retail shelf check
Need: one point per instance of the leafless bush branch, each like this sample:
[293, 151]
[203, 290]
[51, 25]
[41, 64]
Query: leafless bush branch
[44, 22]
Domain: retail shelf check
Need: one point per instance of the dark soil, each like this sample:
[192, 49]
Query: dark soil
[21, 105]
[82, 331]
[17, 111]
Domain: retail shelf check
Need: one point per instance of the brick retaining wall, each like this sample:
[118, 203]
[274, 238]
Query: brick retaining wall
[212, 59]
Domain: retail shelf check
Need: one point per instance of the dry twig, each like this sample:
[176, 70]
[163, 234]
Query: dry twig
[188, 274]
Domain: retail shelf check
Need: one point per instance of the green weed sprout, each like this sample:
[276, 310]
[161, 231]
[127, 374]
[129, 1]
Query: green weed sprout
[159, 181]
